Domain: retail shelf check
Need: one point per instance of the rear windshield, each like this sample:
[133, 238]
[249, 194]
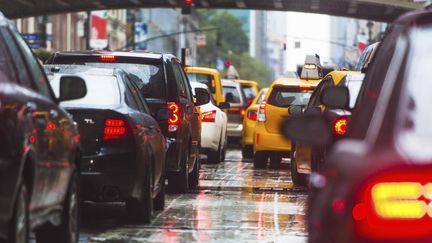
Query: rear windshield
[232, 95]
[204, 79]
[149, 77]
[249, 92]
[284, 97]
[101, 91]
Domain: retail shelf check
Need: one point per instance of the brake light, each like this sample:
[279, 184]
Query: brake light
[114, 128]
[305, 87]
[174, 120]
[261, 111]
[107, 58]
[396, 205]
[242, 112]
[252, 115]
[340, 126]
[208, 116]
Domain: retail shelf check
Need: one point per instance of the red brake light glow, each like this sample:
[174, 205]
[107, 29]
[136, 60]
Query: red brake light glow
[208, 116]
[114, 128]
[252, 115]
[396, 205]
[340, 126]
[174, 120]
[305, 87]
[107, 58]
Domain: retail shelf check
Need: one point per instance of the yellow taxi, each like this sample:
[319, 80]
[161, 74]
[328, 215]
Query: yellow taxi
[210, 77]
[250, 89]
[249, 125]
[268, 139]
[304, 159]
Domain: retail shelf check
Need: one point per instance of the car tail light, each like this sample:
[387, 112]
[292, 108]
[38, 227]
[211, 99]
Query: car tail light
[242, 112]
[252, 115]
[340, 126]
[114, 128]
[107, 58]
[208, 116]
[261, 111]
[396, 205]
[306, 87]
[174, 120]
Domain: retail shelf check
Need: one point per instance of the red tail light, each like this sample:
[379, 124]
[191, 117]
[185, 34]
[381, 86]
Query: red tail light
[114, 128]
[252, 115]
[208, 116]
[107, 58]
[396, 205]
[340, 126]
[261, 111]
[242, 112]
[174, 121]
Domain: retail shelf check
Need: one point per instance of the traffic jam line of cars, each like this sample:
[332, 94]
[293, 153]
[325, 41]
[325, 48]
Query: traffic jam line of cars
[104, 126]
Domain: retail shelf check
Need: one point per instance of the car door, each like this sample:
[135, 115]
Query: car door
[191, 113]
[53, 130]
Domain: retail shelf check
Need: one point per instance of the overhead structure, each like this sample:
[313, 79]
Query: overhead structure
[378, 10]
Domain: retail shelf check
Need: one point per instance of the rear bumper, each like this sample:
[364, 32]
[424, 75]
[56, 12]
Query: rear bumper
[210, 136]
[265, 141]
[112, 176]
[234, 130]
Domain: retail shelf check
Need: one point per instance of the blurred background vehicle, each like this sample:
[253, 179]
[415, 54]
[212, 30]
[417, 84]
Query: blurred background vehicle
[376, 182]
[250, 90]
[123, 156]
[235, 97]
[210, 77]
[249, 122]
[153, 74]
[39, 152]
[214, 141]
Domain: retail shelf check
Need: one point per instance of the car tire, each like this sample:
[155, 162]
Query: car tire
[247, 152]
[159, 200]
[294, 173]
[260, 160]
[141, 210]
[68, 230]
[19, 225]
[275, 160]
[179, 182]
[225, 146]
[194, 175]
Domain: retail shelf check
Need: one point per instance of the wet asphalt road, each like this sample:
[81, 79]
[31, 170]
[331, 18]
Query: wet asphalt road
[234, 203]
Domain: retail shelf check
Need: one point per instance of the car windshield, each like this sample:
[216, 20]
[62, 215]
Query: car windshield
[202, 78]
[96, 85]
[249, 92]
[232, 95]
[285, 97]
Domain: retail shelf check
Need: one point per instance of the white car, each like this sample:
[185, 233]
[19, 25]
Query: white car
[213, 128]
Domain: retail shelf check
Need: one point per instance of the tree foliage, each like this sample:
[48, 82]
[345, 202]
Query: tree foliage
[233, 45]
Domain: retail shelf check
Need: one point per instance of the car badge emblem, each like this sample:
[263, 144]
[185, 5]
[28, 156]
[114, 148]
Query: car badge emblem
[89, 121]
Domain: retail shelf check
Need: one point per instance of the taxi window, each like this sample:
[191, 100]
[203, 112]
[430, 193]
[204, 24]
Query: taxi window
[249, 92]
[232, 95]
[285, 97]
[206, 79]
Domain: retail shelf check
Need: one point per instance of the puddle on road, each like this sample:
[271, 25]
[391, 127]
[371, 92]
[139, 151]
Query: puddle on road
[234, 203]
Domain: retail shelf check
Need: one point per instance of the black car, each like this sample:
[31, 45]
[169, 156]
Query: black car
[163, 83]
[39, 152]
[376, 185]
[123, 146]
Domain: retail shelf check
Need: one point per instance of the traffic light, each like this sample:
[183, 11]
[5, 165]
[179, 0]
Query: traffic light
[187, 7]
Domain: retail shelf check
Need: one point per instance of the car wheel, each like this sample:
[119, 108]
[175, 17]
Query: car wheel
[215, 157]
[275, 160]
[19, 227]
[260, 160]
[179, 182]
[194, 176]
[141, 210]
[159, 201]
[225, 146]
[68, 230]
[247, 152]
[294, 173]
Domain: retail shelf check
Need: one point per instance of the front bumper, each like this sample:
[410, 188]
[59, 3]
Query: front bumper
[234, 130]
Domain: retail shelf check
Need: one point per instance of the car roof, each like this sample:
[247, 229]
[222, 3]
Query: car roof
[134, 54]
[201, 70]
[247, 82]
[198, 85]
[339, 75]
[294, 82]
[80, 70]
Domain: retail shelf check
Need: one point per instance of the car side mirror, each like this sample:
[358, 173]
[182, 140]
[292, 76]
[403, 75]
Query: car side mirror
[335, 97]
[311, 129]
[163, 114]
[202, 96]
[72, 88]
[224, 105]
[295, 110]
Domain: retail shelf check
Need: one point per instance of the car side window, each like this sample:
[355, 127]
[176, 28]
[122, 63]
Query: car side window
[315, 99]
[7, 72]
[179, 80]
[39, 79]
[135, 97]
[186, 82]
[18, 61]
